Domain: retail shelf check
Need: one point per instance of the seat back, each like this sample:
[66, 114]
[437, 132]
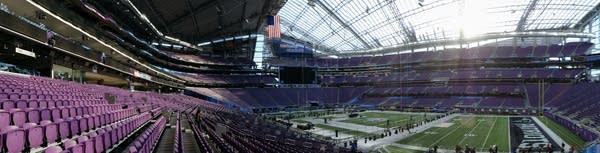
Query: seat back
[19, 117]
[4, 119]
[46, 114]
[33, 115]
[63, 129]
[35, 134]
[16, 137]
[73, 147]
[50, 131]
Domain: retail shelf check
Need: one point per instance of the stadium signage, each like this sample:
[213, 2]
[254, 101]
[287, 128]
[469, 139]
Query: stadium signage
[525, 133]
[24, 52]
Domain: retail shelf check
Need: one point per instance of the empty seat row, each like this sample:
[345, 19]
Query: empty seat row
[18, 116]
[177, 140]
[62, 129]
[104, 138]
[9, 104]
[147, 140]
[25, 96]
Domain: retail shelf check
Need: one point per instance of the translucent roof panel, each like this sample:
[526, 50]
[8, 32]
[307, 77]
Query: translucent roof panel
[348, 25]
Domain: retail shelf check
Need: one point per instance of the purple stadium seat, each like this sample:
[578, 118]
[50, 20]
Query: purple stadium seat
[3, 95]
[35, 134]
[132, 149]
[55, 114]
[33, 104]
[22, 104]
[89, 121]
[4, 119]
[72, 111]
[16, 137]
[101, 141]
[50, 131]
[107, 140]
[19, 117]
[83, 123]
[98, 141]
[114, 134]
[13, 97]
[63, 129]
[73, 125]
[53, 149]
[73, 147]
[43, 104]
[46, 114]
[88, 144]
[65, 112]
[8, 104]
[96, 121]
[51, 103]
[79, 111]
[33, 115]
[23, 96]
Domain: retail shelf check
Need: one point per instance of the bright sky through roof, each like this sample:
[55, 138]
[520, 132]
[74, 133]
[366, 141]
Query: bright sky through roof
[382, 23]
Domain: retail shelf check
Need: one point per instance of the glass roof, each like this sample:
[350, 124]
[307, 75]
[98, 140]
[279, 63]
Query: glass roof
[346, 25]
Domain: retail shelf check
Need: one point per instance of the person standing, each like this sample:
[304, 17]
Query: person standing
[50, 38]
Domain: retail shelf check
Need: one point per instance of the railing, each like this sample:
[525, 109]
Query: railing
[10, 22]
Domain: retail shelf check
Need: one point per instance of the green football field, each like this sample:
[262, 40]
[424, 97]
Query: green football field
[479, 132]
[379, 119]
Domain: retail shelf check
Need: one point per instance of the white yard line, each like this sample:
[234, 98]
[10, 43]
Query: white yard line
[465, 136]
[488, 134]
[457, 127]
[385, 149]
[509, 147]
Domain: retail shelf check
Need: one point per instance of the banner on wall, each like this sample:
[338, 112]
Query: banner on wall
[283, 47]
[139, 74]
[24, 52]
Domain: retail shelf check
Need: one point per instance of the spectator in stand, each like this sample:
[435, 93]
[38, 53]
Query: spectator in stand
[50, 38]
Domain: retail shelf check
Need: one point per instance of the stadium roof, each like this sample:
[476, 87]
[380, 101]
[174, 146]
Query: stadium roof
[357, 25]
[196, 21]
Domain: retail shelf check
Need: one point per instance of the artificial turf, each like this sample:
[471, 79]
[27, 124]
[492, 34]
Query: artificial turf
[478, 132]
[563, 132]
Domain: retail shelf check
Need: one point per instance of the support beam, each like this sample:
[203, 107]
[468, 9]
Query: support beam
[235, 25]
[343, 23]
[192, 12]
[195, 21]
[588, 17]
[243, 17]
[161, 18]
[407, 31]
[307, 35]
[523, 20]
[489, 36]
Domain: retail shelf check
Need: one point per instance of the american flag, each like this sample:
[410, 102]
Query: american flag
[274, 27]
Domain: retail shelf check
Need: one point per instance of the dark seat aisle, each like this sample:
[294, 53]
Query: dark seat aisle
[190, 145]
[166, 142]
